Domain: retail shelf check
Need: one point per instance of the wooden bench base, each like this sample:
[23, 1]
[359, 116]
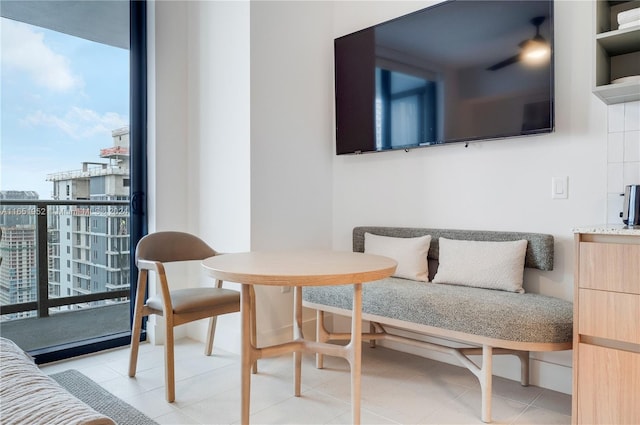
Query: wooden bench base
[488, 348]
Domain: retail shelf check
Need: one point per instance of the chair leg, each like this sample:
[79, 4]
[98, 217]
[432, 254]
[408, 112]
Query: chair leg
[135, 344]
[138, 314]
[169, 364]
[211, 333]
[208, 349]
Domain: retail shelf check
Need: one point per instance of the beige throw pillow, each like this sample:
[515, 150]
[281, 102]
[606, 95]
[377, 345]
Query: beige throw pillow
[410, 253]
[493, 265]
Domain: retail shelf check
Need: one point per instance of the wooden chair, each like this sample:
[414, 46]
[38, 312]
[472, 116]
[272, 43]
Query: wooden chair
[178, 306]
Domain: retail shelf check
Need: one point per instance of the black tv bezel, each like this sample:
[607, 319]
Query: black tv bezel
[466, 141]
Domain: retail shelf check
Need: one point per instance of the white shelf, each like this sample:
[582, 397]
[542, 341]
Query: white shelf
[620, 42]
[617, 53]
[618, 93]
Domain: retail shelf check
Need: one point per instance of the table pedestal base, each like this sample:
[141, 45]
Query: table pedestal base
[352, 352]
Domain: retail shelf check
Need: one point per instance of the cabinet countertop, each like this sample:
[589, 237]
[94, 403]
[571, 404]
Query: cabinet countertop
[609, 229]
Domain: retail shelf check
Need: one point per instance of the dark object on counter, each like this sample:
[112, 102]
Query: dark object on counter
[631, 206]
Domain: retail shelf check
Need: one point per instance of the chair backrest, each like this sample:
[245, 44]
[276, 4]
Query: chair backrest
[172, 246]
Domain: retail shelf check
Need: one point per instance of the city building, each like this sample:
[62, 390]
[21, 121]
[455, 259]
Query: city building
[18, 267]
[89, 245]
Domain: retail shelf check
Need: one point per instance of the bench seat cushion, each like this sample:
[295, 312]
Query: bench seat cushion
[530, 318]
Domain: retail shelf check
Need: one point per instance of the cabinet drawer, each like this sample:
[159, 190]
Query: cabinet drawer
[611, 315]
[610, 267]
[607, 386]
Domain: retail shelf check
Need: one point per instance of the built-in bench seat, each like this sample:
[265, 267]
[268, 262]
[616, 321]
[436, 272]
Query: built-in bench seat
[488, 321]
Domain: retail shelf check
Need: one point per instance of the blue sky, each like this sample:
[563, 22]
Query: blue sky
[61, 96]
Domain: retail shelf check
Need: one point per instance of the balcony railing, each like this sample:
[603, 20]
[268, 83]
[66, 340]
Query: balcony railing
[48, 222]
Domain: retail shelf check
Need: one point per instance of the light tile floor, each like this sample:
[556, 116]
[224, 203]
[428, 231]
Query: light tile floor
[397, 388]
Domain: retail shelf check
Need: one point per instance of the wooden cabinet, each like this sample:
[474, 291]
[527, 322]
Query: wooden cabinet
[606, 327]
[617, 53]
[609, 386]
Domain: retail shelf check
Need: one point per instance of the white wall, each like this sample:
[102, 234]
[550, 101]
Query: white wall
[267, 175]
[291, 149]
[219, 122]
[168, 153]
[291, 106]
[253, 158]
[168, 116]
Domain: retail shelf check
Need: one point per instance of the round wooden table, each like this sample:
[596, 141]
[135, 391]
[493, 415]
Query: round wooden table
[300, 268]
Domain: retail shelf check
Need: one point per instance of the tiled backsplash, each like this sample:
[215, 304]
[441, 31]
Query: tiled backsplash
[623, 155]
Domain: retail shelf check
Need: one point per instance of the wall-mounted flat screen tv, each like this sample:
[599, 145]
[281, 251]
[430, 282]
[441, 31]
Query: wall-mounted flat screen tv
[458, 71]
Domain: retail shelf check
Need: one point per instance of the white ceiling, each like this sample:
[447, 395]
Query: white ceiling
[102, 21]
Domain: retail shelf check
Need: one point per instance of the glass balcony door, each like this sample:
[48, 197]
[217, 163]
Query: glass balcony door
[71, 163]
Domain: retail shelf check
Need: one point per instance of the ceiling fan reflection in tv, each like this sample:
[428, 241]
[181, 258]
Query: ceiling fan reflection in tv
[533, 50]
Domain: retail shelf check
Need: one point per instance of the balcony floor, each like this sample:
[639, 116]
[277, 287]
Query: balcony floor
[68, 327]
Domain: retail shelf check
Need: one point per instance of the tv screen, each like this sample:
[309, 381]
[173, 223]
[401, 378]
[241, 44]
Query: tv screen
[458, 71]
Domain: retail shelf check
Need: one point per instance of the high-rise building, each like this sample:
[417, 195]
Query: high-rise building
[18, 269]
[89, 245]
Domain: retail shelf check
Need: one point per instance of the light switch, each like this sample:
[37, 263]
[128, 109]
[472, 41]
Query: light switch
[559, 187]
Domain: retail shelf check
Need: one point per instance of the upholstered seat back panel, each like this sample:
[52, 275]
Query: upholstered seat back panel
[172, 246]
[539, 248]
